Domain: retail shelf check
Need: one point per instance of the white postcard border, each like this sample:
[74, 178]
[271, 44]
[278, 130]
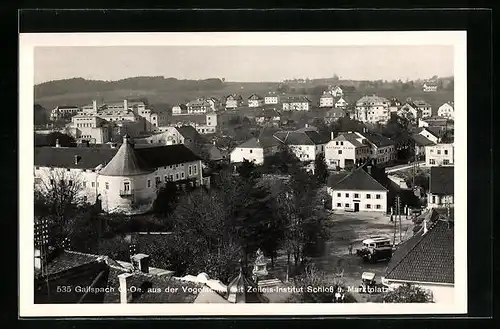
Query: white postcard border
[27, 42]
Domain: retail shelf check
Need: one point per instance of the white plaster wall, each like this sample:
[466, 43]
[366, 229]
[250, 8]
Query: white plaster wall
[348, 197]
[431, 153]
[271, 100]
[251, 154]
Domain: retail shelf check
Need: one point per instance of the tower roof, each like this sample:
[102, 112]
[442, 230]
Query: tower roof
[125, 162]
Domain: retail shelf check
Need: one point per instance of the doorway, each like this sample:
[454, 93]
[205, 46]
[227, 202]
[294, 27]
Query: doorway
[356, 206]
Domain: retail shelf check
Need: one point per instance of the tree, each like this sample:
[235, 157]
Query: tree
[248, 171]
[315, 287]
[320, 169]
[408, 293]
[166, 199]
[57, 193]
[64, 139]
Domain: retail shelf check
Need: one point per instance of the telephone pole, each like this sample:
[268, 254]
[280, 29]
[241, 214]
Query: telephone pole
[399, 215]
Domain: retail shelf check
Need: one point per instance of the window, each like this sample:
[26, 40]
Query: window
[432, 161]
[182, 175]
[378, 206]
[368, 206]
[190, 170]
[251, 151]
[149, 183]
[368, 196]
[433, 199]
[106, 184]
[377, 196]
[339, 204]
[356, 195]
[84, 184]
[341, 143]
[170, 166]
[177, 176]
[346, 205]
[340, 151]
[126, 186]
[157, 180]
[195, 169]
[338, 195]
[171, 177]
[166, 178]
[446, 152]
[347, 195]
[70, 183]
[439, 151]
[176, 166]
[93, 184]
[336, 143]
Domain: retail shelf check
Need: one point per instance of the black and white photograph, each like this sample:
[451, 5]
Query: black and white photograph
[288, 169]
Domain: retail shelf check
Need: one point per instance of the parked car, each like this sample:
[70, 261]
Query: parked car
[375, 249]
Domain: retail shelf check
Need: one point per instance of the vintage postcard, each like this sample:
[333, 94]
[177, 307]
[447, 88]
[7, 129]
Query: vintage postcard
[254, 173]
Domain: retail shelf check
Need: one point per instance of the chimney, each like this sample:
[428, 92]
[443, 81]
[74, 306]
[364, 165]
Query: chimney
[306, 125]
[94, 105]
[369, 169]
[57, 143]
[141, 262]
[332, 136]
[364, 129]
[125, 292]
[125, 139]
[125, 104]
[77, 158]
[425, 227]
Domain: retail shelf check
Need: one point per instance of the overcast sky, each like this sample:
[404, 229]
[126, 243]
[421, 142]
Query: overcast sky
[243, 63]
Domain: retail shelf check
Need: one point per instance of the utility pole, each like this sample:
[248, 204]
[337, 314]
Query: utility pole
[399, 215]
[395, 219]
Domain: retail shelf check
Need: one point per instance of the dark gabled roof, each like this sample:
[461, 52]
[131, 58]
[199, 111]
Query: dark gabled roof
[378, 139]
[441, 180]
[254, 97]
[307, 136]
[64, 157]
[421, 140]
[189, 132]
[125, 163]
[425, 257]
[433, 130]
[334, 178]
[316, 137]
[358, 180]
[160, 156]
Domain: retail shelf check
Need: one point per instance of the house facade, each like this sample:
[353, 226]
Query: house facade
[441, 187]
[346, 151]
[255, 150]
[409, 111]
[123, 180]
[430, 86]
[335, 91]
[63, 112]
[372, 109]
[430, 133]
[198, 106]
[420, 142]
[446, 111]
[334, 114]
[299, 103]
[439, 155]
[214, 104]
[271, 98]
[326, 100]
[383, 150]
[305, 144]
[255, 101]
[233, 101]
[90, 128]
[357, 191]
[341, 103]
[424, 107]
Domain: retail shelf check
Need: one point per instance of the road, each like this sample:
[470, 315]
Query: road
[403, 167]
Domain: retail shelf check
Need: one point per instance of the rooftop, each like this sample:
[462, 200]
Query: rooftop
[425, 257]
[125, 162]
[358, 180]
[441, 180]
[421, 140]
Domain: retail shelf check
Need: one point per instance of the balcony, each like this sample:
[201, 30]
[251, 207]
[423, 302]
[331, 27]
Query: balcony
[125, 193]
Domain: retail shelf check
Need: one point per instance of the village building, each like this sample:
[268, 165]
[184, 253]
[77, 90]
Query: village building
[214, 103]
[441, 187]
[431, 133]
[335, 91]
[383, 149]
[305, 144]
[179, 109]
[426, 260]
[439, 155]
[333, 115]
[410, 111]
[341, 103]
[446, 111]
[420, 142]
[271, 98]
[233, 101]
[255, 150]
[204, 124]
[268, 116]
[63, 112]
[198, 106]
[372, 109]
[430, 86]
[357, 191]
[394, 105]
[90, 128]
[424, 107]
[296, 103]
[124, 180]
[326, 100]
[255, 101]
[346, 151]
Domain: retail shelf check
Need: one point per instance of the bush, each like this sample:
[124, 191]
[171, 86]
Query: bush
[408, 293]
